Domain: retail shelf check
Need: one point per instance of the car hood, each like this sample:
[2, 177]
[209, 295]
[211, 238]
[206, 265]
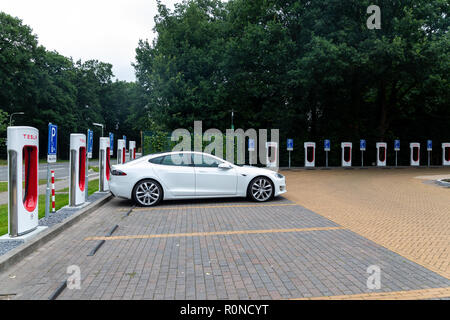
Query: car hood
[255, 170]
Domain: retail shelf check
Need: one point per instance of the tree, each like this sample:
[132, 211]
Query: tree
[311, 68]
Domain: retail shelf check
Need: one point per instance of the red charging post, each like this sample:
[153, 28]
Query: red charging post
[132, 150]
[104, 164]
[78, 168]
[23, 170]
[310, 154]
[414, 154]
[381, 154]
[346, 154]
[120, 151]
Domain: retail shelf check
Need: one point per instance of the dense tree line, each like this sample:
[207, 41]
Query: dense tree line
[49, 87]
[310, 68]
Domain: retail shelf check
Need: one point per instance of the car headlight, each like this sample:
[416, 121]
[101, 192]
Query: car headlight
[278, 175]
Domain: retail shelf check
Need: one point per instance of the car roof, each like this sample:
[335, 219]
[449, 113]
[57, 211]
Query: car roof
[160, 154]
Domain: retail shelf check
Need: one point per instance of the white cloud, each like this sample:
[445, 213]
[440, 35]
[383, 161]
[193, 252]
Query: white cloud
[107, 30]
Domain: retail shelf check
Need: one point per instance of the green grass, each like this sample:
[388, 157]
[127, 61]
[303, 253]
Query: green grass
[61, 200]
[95, 169]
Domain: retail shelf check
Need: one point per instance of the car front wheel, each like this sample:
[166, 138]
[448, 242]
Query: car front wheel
[147, 193]
[260, 189]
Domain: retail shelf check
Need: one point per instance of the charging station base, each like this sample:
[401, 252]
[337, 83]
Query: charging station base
[24, 237]
[84, 204]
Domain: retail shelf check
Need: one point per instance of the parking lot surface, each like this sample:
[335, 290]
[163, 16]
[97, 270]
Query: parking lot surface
[235, 249]
[402, 210]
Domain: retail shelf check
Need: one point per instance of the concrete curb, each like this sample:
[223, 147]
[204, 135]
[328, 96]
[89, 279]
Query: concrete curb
[14, 256]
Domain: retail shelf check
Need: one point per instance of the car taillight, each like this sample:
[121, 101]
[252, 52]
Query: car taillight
[118, 173]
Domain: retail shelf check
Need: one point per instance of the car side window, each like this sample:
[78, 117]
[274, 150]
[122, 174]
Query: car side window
[156, 160]
[205, 161]
[178, 159]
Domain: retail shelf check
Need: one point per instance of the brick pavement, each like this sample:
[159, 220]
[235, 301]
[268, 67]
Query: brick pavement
[320, 258]
[398, 209]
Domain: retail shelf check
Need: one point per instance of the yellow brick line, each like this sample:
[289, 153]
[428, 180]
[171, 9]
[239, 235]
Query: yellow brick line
[394, 295]
[202, 234]
[211, 207]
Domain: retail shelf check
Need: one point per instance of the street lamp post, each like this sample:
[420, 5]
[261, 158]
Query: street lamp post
[232, 118]
[10, 117]
[98, 125]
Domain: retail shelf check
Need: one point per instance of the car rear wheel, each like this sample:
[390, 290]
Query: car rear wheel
[260, 189]
[147, 193]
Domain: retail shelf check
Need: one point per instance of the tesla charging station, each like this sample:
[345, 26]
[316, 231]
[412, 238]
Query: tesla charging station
[120, 151]
[272, 154]
[104, 164]
[23, 170]
[381, 154]
[346, 154]
[446, 154]
[132, 150]
[310, 154]
[77, 180]
[415, 153]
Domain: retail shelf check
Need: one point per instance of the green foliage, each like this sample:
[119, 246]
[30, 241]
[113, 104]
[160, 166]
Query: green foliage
[310, 68]
[3, 126]
[49, 87]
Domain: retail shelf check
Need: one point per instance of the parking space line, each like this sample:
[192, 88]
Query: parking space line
[212, 207]
[202, 234]
[401, 295]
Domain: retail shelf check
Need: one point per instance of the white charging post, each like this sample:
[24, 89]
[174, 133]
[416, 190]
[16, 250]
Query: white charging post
[327, 148]
[362, 148]
[429, 149]
[381, 154]
[272, 154]
[310, 154]
[414, 154]
[77, 178]
[290, 147]
[446, 154]
[104, 164]
[132, 150]
[120, 151]
[396, 149]
[23, 180]
[346, 159]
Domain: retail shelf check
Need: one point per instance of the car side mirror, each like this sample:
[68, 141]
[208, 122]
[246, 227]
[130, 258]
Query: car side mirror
[224, 165]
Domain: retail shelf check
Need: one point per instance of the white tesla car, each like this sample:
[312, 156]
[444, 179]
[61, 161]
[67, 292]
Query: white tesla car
[191, 175]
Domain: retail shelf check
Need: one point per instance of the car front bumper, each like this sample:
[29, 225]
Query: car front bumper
[280, 186]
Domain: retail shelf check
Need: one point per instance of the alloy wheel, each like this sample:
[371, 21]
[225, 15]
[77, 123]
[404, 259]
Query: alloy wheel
[261, 189]
[147, 193]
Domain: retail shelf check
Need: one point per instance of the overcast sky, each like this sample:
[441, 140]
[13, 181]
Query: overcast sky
[106, 30]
